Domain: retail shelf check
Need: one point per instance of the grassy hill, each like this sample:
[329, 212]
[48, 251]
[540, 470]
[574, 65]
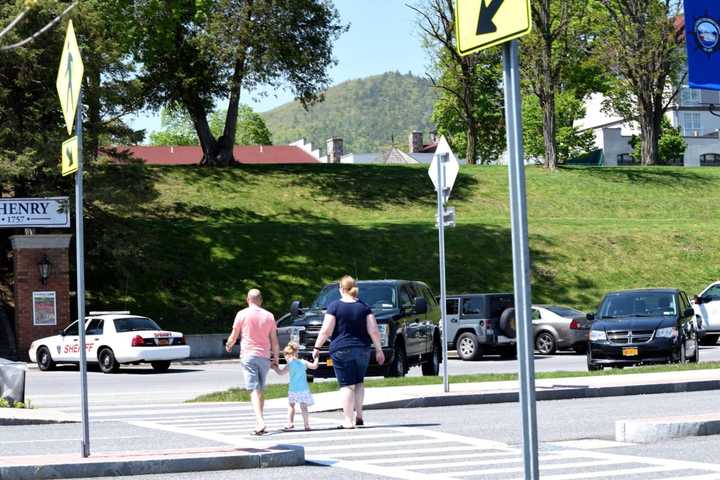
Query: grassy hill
[366, 113]
[183, 244]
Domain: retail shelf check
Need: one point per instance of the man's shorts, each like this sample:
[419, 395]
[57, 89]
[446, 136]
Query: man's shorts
[255, 370]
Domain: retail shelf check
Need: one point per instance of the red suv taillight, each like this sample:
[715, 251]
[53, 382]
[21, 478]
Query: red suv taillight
[138, 341]
[574, 325]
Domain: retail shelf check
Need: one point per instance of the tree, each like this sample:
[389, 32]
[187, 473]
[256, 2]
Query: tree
[196, 52]
[671, 144]
[554, 41]
[251, 128]
[470, 85]
[642, 50]
[177, 128]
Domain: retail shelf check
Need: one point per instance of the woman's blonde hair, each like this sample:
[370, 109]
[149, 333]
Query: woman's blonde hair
[291, 349]
[348, 285]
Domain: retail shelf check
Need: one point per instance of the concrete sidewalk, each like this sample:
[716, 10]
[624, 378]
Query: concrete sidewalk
[546, 389]
[155, 462]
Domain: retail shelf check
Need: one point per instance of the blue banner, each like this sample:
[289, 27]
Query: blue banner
[702, 37]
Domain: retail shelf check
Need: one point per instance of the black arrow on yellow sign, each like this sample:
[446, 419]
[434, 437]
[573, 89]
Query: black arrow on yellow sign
[487, 13]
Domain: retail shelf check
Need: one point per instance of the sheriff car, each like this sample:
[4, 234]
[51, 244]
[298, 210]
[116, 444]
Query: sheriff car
[112, 339]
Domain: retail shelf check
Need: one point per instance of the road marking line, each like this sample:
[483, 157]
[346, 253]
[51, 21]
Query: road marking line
[127, 413]
[590, 444]
[385, 453]
[375, 470]
[370, 445]
[709, 476]
[543, 468]
[49, 440]
[324, 431]
[471, 463]
[678, 464]
[217, 421]
[227, 439]
[302, 441]
[611, 473]
[451, 437]
[470, 454]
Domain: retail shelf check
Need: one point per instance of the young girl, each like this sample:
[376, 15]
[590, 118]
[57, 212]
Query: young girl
[298, 389]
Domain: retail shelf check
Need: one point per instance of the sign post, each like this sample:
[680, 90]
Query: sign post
[69, 87]
[479, 25]
[443, 172]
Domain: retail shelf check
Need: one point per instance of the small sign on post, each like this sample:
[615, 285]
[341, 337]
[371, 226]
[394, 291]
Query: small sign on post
[443, 173]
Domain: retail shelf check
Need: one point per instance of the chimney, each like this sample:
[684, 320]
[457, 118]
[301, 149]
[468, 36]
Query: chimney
[416, 142]
[334, 150]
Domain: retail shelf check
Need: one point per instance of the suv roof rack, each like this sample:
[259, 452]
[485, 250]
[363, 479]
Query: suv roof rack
[110, 312]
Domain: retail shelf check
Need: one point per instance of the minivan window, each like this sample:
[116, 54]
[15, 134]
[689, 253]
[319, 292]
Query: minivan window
[638, 304]
[375, 295]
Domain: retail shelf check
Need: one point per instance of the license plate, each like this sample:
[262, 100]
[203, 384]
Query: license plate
[163, 341]
[630, 352]
[329, 362]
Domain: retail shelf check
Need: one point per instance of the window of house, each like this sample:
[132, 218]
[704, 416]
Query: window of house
[690, 96]
[691, 124]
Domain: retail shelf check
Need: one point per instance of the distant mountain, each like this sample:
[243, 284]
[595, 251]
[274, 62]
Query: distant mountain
[365, 113]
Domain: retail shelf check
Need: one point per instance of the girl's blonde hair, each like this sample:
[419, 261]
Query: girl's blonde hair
[348, 285]
[291, 349]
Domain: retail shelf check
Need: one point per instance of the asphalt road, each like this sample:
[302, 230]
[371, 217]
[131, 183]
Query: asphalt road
[575, 428]
[185, 381]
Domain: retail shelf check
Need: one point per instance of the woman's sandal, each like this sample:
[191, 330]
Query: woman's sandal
[343, 427]
[289, 428]
[258, 433]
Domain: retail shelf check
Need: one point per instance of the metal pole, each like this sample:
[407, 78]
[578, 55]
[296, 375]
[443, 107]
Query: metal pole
[521, 257]
[441, 161]
[80, 256]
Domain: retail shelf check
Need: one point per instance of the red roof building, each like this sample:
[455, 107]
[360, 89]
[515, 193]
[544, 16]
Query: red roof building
[191, 155]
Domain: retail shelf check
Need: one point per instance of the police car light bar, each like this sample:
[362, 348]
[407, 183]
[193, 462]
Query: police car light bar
[111, 312]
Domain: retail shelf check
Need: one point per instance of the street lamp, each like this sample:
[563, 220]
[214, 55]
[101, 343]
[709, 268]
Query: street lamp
[44, 266]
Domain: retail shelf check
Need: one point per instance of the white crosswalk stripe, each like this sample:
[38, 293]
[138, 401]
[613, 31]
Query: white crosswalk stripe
[404, 452]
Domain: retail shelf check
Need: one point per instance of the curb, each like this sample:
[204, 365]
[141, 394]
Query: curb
[561, 393]
[111, 465]
[651, 430]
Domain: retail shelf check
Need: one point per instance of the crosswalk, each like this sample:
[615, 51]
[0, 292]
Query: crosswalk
[404, 451]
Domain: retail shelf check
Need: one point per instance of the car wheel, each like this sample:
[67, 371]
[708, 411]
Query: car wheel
[545, 343]
[709, 340]
[431, 367]
[107, 362]
[696, 358]
[591, 366]
[160, 366]
[468, 347]
[44, 359]
[398, 367]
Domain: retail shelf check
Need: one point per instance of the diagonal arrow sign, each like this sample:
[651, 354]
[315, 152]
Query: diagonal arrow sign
[487, 13]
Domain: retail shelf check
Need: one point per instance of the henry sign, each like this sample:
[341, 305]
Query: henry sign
[34, 212]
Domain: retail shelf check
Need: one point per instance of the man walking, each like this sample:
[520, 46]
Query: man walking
[256, 328]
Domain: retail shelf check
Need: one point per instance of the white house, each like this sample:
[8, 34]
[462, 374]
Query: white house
[691, 111]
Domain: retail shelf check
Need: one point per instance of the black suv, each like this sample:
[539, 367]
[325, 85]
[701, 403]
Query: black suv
[407, 314]
[643, 326]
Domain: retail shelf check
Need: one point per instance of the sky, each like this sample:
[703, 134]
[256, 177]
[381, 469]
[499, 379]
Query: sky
[383, 37]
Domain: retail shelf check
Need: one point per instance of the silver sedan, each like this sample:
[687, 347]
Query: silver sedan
[559, 328]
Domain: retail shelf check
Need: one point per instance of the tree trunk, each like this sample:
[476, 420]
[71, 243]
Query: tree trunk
[650, 138]
[550, 131]
[472, 135]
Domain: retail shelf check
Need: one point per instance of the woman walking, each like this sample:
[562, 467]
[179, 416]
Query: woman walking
[351, 327]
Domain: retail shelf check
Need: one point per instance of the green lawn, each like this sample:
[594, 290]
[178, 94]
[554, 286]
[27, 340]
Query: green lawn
[183, 244]
[280, 391]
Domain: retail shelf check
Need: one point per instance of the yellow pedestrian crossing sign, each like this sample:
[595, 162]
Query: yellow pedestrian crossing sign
[70, 151]
[69, 79]
[481, 24]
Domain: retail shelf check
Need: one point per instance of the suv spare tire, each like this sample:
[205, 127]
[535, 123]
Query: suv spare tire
[507, 322]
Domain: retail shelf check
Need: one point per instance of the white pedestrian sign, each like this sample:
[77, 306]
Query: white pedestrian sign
[450, 167]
